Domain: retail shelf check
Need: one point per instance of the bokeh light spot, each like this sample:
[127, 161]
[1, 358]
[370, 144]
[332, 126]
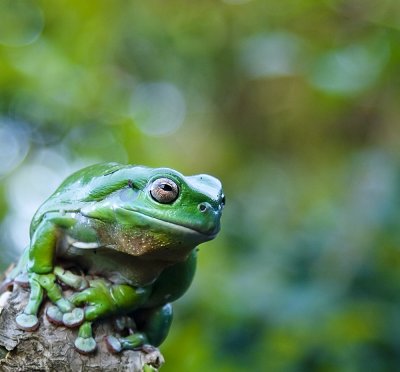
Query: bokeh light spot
[349, 70]
[14, 145]
[274, 54]
[28, 188]
[21, 22]
[158, 108]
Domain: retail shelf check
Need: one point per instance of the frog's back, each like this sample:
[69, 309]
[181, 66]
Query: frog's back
[86, 175]
[75, 191]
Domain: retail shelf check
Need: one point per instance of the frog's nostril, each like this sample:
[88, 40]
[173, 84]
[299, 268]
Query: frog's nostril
[203, 207]
[223, 200]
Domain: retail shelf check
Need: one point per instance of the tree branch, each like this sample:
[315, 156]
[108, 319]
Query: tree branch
[51, 348]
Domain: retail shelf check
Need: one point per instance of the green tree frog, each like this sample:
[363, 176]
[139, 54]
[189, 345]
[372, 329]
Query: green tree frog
[132, 231]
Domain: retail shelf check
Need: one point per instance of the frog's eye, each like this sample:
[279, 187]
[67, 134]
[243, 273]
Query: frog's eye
[164, 191]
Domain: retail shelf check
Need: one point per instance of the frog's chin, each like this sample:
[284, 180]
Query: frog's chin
[165, 225]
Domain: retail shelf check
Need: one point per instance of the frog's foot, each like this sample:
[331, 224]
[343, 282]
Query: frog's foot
[27, 322]
[115, 346]
[85, 345]
[65, 314]
[131, 342]
[74, 318]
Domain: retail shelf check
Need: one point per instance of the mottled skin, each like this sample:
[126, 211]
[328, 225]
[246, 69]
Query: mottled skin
[133, 231]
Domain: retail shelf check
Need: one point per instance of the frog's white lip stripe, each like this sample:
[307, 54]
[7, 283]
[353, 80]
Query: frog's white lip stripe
[171, 224]
[82, 245]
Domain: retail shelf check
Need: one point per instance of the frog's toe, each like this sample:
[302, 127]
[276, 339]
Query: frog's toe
[73, 318]
[124, 322]
[54, 315]
[113, 344]
[27, 322]
[85, 345]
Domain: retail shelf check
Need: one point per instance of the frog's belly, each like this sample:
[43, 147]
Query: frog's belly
[107, 262]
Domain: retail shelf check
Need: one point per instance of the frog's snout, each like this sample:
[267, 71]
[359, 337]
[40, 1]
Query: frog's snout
[206, 207]
[218, 206]
[212, 216]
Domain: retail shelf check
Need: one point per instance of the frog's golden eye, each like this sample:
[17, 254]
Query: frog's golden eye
[164, 190]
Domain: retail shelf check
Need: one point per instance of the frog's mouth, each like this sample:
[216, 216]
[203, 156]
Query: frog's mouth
[147, 220]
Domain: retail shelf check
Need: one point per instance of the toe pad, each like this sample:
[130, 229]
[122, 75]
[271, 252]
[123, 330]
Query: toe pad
[27, 322]
[54, 315]
[74, 318]
[85, 345]
[113, 344]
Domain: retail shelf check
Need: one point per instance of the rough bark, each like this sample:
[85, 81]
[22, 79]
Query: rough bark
[51, 348]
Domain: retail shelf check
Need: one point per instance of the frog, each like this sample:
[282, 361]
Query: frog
[124, 238]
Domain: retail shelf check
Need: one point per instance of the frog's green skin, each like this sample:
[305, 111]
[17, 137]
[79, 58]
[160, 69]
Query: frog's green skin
[104, 220]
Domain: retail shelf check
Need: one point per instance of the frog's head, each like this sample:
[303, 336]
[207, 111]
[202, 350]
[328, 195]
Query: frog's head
[160, 211]
[194, 203]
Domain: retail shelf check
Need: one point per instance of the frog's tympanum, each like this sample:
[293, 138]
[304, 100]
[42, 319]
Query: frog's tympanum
[123, 238]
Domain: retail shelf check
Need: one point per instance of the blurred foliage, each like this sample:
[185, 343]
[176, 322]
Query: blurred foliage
[294, 105]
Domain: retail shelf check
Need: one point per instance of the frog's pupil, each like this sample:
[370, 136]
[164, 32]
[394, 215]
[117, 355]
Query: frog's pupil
[166, 187]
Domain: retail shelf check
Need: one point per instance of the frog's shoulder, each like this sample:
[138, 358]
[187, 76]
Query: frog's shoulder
[79, 185]
[75, 191]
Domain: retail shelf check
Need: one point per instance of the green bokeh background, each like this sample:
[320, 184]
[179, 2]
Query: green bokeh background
[294, 105]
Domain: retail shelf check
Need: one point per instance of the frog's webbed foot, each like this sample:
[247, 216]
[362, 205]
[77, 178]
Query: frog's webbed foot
[63, 312]
[85, 343]
[153, 325]
[134, 341]
[124, 325]
[103, 299]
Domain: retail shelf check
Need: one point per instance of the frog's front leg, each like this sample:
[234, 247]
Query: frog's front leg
[103, 299]
[70, 317]
[78, 282]
[41, 276]
[28, 320]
